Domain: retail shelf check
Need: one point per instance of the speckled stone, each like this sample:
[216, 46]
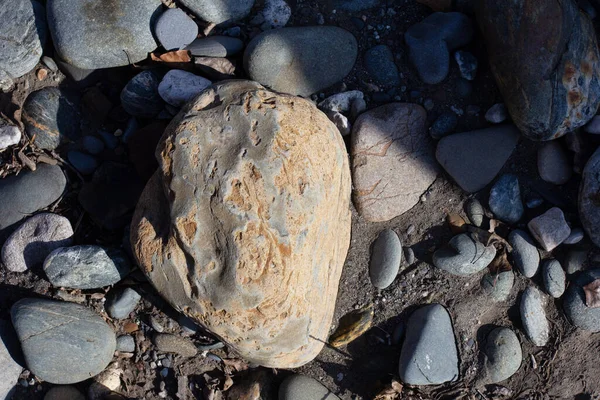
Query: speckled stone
[525, 254]
[300, 387]
[386, 257]
[499, 286]
[140, 96]
[463, 256]
[503, 355]
[554, 278]
[533, 316]
[474, 211]
[580, 315]
[505, 199]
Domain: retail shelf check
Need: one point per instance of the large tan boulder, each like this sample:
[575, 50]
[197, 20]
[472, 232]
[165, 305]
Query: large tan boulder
[246, 224]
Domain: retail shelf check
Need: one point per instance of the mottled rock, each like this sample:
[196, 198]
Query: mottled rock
[341, 122]
[553, 163]
[28, 246]
[126, 344]
[467, 64]
[429, 355]
[215, 46]
[301, 60]
[554, 278]
[121, 302]
[300, 387]
[525, 254]
[386, 256]
[496, 114]
[464, 256]
[140, 96]
[175, 344]
[218, 11]
[62, 342]
[474, 212]
[273, 209]
[52, 116]
[178, 87]
[498, 286]
[9, 134]
[505, 199]
[548, 77]
[64, 393]
[276, 14]
[503, 355]
[574, 304]
[474, 158]
[92, 35]
[341, 102]
[550, 229]
[589, 198]
[11, 369]
[175, 30]
[392, 160]
[29, 192]
[379, 63]
[533, 316]
[86, 267]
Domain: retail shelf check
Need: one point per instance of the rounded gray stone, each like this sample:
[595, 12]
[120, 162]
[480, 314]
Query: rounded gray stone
[553, 163]
[525, 254]
[463, 256]
[86, 267]
[62, 342]
[126, 344]
[29, 192]
[496, 114]
[218, 11]
[575, 237]
[589, 195]
[575, 260]
[179, 87]
[140, 96]
[321, 56]
[64, 393]
[429, 355]
[386, 257]
[505, 199]
[175, 29]
[580, 315]
[96, 34]
[379, 63]
[503, 355]
[215, 46]
[554, 278]
[11, 367]
[121, 302]
[499, 286]
[533, 316]
[30, 244]
[474, 212]
[300, 387]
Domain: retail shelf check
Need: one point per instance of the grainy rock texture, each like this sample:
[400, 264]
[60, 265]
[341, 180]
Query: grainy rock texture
[589, 198]
[392, 160]
[549, 77]
[533, 316]
[246, 224]
[298, 387]
[218, 11]
[503, 354]
[464, 255]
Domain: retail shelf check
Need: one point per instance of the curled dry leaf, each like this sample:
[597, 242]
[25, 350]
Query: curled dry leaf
[177, 56]
[500, 262]
[456, 222]
[592, 294]
[390, 392]
[351, 326]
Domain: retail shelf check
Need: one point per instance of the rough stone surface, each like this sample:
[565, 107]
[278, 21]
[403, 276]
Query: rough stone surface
[474, 212]
[175, 344]
[126, 344]
[525, 254]
[175, 30]
[554, 278]
[121, 302]
[11, 369]
[140, 96]
[580, 315]
[474, 158]
[505, 199]
[86, 267]
[215, 46]
[28, 246]
[392, 160]
[9, 135]
[62, 342]
[301, 60]
[429, 355]
[499, 286]
[22, 37]
[503, 355]
[379, 63]
[300, 387]
[464, 256]
[64, 393]
[550, 229]
[467, 64]
[553, 163]
[386, 256]
[533, 316]
[218, 11]
[589, 198]
[549, 77]
[29, 192]
[268, 175]
[341, 102]
[52, 115]
[92, 34]
[178, 87]
[276, 14]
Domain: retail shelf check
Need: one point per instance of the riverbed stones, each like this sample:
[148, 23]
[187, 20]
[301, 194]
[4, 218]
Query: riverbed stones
[121, 302]
[533, 316]
[52, 116]
[474, 158]
[93, 35]
[386, 256]
[28, 246]
[429, 355]
[140, 96]
[178, 87]
[11, 369]
[215, 46]
[498, 286]
[301, 387]
[589, 198]
[550, 229]
[475, 212]
[554, 278]
[301, 60]
[175, 30]
[86, 267]
[126, 344]
[342, 102]
[505, 199]
[549, 77]
[553, 163]
[525, 254]
[29, 192]
[280, 197]
[392, 160]
[503, 355]
[219, 11]
[379, 63]
[62, 342]
[574, 303]
[464, 256]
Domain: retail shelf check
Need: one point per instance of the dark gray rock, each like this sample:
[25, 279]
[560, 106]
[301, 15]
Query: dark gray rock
[575, 260]
[467, 64]
[28, 246]
[525, 254]
[554, 278]
[322, 56]
[575, 237]
[64, 393]
[343, 102]
[474, 158]
[11, 368]
[53, 116]
[499, 286]
[574, 305]
[84, 163]
[553, 163]
[86, 267]
[93, 35]
[443, 125]
[80, 76]
[121, 302]
[379, 63]
[496, 114]
[22, 36]
[429, 355]
[474, 212]
[354, 5]
[550, 229]
[505, 199]
[218, 11]
[589, 200]
[275, 14]
[215, 46]
[28, 192]
[533, 316]
[62, 342]
[300, 387]
[175, 30]
[503, 355]
[175, 344]
[179, 87]
[92, 144]
[126, 344]
[463, 256]
[140, 96]
[386, 257]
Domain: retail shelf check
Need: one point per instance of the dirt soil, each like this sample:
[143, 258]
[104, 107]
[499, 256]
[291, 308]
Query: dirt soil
[566, 368]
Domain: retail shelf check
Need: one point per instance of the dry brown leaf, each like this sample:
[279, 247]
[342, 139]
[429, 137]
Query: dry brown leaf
[42, 73]
[177, 56]
[500, 263]
[592, 294]
[390, 392]
[456, 222]
[235, 363]
[130, 327]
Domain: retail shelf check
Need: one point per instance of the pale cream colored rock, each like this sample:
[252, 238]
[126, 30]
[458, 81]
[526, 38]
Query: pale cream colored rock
[246, 224]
